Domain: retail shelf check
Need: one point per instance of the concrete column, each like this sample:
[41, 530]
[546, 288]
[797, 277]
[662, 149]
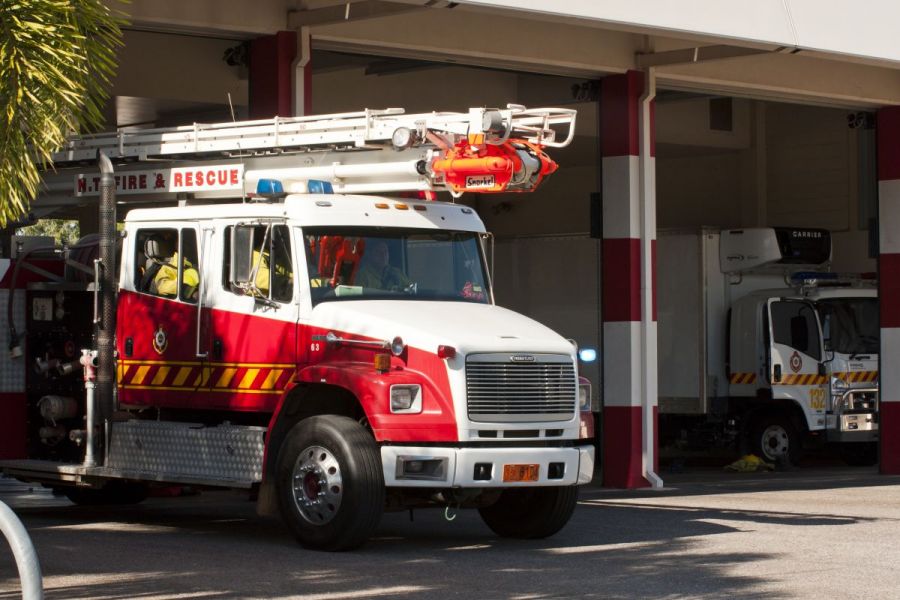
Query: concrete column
[302, 72]
[628, 289]
[888, 134]
[272, 75]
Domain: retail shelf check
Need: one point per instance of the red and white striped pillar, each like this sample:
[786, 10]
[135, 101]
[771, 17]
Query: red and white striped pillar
[272, 59]
[628, 276]
[888, 135]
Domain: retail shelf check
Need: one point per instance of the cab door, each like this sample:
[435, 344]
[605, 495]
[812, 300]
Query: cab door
[158, 319]
[252, 355]
[796, 371]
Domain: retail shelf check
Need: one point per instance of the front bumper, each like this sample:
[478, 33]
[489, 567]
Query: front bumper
[852, 427]
[459, 467]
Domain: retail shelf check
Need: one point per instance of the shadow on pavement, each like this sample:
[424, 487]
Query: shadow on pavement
[213, 546]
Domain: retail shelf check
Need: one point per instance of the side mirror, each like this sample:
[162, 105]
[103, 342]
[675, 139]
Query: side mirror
[776, 375]
[241, 254]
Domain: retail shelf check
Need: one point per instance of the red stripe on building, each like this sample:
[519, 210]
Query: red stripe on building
[889, 289]
[888, 123]
[888, 424]
[271, 77]
[622, 454]
[621, 260]
[619, 114]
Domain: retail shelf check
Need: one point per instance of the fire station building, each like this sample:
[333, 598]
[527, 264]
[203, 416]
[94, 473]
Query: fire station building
[691, 114]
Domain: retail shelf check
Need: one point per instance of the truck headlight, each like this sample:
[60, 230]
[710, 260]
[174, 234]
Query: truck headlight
[839, 385]
[406, 399]
[584, 396]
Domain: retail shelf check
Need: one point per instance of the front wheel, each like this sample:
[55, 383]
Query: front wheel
[775, 439]
[531, 513]
[329, 483]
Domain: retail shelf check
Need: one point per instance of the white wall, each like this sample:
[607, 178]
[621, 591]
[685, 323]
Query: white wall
[177, 67]
[811, 167]
[697, 190]
[786, 165]
[420, 90]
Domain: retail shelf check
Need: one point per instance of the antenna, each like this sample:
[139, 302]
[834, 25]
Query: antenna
[240, 154]
[231, 108]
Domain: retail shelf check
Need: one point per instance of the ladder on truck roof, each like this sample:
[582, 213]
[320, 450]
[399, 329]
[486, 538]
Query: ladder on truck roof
[483, 150]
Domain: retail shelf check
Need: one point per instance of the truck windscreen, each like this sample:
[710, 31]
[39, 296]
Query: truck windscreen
[358, 263]
[850, 324]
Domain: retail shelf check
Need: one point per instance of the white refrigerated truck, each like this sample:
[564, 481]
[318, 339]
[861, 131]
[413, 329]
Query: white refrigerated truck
[761, 346]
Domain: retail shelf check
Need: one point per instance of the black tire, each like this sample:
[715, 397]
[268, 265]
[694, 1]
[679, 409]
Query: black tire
[112, 494]
[775, 439]
[860, 454]
[329, 483]
[531, 513]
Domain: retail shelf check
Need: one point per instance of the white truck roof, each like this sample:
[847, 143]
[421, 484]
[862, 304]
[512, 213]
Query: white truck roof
[323, 210]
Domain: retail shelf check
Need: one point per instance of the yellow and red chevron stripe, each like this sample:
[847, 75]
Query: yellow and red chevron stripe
[802, 379]
[243, 378]
[858, 376]
[742, 378]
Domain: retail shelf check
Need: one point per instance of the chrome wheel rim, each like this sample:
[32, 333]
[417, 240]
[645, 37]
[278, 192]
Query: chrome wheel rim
[317, 485]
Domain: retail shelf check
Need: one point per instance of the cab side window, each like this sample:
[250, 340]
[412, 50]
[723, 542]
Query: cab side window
[166, 263]
[272, 269]
[794, 324]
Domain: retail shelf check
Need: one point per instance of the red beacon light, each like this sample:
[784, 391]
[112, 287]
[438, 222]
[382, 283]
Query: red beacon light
[446, 352]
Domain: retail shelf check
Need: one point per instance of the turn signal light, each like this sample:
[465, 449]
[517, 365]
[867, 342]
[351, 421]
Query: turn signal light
[382, 362]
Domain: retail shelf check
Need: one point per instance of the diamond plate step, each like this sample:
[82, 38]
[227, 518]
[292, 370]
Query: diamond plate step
[232, 453]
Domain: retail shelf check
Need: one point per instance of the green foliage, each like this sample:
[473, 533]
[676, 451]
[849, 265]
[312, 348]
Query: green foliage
[57, 60]
[63, 231]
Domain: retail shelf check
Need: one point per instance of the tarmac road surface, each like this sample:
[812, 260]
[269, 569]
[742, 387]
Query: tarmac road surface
[810, 533]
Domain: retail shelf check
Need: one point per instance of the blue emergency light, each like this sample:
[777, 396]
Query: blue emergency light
[802, 277]
[317, 186]
[270, 188]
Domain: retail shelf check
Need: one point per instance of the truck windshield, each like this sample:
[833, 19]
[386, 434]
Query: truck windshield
[356, 263]
[850, 324]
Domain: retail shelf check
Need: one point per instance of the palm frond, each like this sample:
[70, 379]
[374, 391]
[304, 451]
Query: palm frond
[57, 61]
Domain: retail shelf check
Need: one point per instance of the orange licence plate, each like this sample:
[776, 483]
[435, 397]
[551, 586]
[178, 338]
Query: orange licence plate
[520, 472]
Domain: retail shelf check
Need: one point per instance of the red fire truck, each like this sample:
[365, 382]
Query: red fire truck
[276, 328]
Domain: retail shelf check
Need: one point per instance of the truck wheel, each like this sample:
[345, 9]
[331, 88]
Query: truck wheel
[775, 439]
[531, 513]
[860, 454]
[111, 494]
[329, 483]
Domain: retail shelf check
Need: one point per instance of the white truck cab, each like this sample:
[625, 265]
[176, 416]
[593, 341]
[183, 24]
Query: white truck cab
[784, 351]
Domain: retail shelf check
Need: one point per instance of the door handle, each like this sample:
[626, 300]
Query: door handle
[777, 373]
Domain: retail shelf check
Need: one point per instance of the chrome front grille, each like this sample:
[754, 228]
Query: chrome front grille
[520, 387]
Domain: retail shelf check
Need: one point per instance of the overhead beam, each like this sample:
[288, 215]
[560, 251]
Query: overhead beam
[466, 37]
[698, 54]
[346, 12]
